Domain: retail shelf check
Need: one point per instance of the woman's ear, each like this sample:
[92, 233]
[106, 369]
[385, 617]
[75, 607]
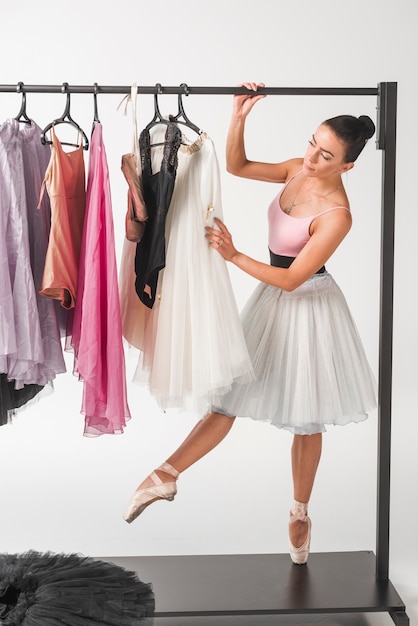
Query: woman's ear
[347, 166]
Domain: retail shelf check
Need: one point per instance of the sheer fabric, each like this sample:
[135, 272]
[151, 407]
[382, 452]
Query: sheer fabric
[193, 345]
[30, 335]
[97, 329]
[309, 362]
[46, 589]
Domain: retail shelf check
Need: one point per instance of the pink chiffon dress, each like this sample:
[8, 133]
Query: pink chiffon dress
[99, 359]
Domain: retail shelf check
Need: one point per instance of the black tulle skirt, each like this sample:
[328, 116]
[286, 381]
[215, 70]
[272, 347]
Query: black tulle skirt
[12, 399]
[71, 590]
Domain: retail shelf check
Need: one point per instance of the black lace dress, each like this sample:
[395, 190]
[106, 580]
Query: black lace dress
[158, 189]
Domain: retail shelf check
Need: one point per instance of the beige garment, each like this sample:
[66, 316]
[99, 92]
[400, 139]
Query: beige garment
[136, 214]
[135, 315]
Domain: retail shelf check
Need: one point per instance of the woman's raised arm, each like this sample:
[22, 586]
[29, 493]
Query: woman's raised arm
[237, 162]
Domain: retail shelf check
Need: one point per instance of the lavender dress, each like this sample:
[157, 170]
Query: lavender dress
[30, 348]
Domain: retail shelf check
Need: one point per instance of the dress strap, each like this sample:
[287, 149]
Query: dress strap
[331, 209]
[313, 217]
[292, 177]
[289, 181]
[43, 185]
[135, 139]
[171, 145]
[132, 98]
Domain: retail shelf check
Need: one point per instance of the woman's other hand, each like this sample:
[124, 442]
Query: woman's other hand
[221, 239]
[242, 104]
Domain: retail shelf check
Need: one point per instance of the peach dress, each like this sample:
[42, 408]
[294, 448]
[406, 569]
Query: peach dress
[65, 184]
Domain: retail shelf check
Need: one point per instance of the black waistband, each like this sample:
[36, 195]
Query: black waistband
[278, 260]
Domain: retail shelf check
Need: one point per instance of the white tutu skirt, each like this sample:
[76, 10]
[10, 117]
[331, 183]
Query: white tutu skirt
[309, 362]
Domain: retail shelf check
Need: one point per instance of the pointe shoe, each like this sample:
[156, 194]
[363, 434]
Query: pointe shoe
[158, 491]
[300, 555]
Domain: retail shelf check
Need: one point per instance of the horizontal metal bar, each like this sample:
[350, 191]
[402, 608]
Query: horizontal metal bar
[189, 90]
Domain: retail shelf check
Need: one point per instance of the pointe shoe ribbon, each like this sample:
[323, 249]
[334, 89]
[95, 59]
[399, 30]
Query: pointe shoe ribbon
[159, 490]
[299, 511]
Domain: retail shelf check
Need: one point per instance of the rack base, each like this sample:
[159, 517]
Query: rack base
[264, 585]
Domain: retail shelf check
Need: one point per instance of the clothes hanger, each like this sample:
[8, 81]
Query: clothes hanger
[96, 119]
[158, 118]
[181, 113]
[65, 119]
[22, 116]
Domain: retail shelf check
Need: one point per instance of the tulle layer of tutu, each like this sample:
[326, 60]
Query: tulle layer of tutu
[193, 345]
[71, 590]
[309, 361]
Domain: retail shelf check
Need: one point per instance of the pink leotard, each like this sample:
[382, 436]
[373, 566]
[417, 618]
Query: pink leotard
[288, 234]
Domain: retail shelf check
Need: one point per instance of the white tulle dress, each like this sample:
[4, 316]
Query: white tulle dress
[193, 347]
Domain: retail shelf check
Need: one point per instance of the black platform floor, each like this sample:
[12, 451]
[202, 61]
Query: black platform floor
[221, 588]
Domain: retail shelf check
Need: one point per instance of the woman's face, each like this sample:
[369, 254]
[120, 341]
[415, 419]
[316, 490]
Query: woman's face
[325, 154]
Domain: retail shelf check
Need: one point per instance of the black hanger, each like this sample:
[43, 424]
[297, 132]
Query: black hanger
[158, 118]
[22, 116]
[172, 119]
[96, 119]
[181, 113]
[65, 119]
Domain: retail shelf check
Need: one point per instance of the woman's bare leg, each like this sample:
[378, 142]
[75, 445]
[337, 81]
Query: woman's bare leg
[160, 484]
[306, 453]
[205, 435]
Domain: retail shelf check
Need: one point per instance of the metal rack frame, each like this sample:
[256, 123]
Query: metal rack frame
[381, 589]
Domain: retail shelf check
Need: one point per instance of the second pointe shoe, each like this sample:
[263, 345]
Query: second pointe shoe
[299, 555]
[157, 491]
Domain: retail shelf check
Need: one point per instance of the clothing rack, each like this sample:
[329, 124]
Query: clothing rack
[376, 593]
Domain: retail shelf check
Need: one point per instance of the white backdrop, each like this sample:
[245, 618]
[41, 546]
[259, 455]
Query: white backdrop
[63, 492]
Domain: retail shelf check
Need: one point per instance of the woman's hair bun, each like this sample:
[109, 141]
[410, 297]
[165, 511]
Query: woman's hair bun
[353, 131]
[367, 126]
